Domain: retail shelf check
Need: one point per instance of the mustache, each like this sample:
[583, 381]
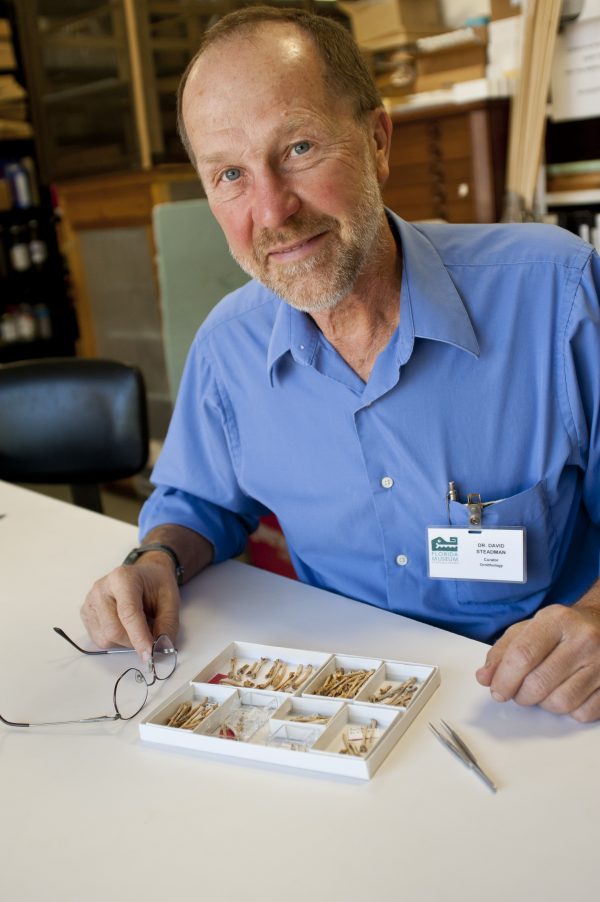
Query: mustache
[296, 231]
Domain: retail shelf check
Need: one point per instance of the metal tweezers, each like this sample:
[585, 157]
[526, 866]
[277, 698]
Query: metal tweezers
[459, 748]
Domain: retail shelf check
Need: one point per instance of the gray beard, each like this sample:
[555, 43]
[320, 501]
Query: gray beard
[349, 257]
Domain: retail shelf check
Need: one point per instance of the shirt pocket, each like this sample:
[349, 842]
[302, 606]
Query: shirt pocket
[530, 510]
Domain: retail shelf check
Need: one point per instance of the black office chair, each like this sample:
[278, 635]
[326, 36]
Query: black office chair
[73, 421]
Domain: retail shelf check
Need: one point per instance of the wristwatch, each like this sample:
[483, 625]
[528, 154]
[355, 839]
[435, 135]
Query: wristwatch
[136, 553]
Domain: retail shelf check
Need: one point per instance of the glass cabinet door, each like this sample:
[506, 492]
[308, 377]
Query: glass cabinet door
[79, 72]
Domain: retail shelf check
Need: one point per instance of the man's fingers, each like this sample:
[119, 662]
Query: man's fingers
[589, 710]
[167, 615]
[552, 660]
[113, 613]
[100, 618]
[570, 694]
[117, 609]
[494, 656]
[130, 610]
[521, 652]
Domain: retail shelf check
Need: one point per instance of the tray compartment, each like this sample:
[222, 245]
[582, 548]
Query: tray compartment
[346, 685]
[308, 710]
[293, 737]
[396, 684]
[245, 717]
[246, 665]
[356, 731]
[192, 694]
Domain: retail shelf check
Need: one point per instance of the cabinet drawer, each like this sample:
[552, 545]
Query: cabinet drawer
[455, 137]
[421, 207]
[411, 144]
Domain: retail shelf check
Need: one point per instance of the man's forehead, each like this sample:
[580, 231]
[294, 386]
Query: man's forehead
[275, 45]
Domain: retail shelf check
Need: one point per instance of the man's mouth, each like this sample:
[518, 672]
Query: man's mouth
[295, 251]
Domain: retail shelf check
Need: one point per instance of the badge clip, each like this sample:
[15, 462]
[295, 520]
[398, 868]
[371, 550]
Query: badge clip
[475, 508]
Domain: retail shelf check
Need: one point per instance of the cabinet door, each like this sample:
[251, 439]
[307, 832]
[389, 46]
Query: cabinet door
[448, 165]
[78, 71]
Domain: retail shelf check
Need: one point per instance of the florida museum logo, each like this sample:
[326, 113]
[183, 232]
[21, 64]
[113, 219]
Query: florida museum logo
[445, 550]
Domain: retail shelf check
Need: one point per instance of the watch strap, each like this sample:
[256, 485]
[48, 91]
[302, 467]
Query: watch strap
[136, 553]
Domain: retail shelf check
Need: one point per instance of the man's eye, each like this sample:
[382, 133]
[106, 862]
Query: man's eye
[231, 175]
[301, 147]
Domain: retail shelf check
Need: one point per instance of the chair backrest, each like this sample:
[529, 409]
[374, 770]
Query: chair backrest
[74, 421]
[195, 270]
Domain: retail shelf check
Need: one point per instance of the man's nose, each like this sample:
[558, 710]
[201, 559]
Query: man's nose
[274, 201]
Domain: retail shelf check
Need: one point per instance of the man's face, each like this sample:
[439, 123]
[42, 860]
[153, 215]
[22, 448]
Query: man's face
[290, 175]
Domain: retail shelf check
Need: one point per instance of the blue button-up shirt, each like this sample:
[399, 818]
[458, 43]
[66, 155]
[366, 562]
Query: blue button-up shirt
[492, 380]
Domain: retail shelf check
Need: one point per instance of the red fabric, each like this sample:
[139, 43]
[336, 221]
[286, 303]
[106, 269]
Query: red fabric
[267, 548]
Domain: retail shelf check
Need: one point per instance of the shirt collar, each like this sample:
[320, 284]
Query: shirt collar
[293, 332]
[431, 307]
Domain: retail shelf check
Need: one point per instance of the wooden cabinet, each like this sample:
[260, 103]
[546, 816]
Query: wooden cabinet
[449, 162]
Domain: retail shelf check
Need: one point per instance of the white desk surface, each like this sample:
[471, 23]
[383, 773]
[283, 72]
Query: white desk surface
[91, 813]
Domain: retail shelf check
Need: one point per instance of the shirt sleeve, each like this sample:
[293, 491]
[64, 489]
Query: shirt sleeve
[195, 475]
[582, 372]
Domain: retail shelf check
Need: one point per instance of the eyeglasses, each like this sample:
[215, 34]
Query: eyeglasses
[131, 688]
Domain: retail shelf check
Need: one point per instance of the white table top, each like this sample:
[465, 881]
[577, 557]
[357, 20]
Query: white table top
[90, 812]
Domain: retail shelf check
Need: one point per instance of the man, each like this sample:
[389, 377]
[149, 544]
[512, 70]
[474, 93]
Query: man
[374, 375]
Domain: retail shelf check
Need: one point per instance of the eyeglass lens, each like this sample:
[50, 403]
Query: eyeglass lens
[131, 692]
[164, 657]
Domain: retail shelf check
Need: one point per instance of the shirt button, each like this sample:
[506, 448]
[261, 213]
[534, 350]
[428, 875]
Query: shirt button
[401, 560]
[387, 482]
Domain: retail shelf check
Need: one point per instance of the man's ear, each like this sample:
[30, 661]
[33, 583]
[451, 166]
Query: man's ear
[381, 135]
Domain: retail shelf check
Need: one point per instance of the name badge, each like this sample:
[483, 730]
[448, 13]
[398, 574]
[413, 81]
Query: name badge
[495, 555]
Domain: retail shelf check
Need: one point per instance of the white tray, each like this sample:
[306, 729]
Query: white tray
[275, 736]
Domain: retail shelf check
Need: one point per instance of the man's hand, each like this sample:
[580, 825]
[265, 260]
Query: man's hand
[121, 606]
[136, 603]
[552, 660]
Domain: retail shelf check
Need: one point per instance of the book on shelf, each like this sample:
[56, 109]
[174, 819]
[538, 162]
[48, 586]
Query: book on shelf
[578, 175]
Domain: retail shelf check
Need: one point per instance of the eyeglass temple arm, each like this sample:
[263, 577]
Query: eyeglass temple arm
[57, 723]
[87, 651]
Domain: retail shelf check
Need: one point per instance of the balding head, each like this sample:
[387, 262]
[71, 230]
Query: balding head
[344, 70]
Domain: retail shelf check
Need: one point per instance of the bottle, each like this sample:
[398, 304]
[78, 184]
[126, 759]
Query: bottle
[18, 178]
[20, 257]
[38, 249]
[25, 323]
[8, 326]
[29, 166]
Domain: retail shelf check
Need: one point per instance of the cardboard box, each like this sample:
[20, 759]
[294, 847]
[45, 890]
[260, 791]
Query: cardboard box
[385, 23]
[439, 81]
[504, 9]
[459, 59]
